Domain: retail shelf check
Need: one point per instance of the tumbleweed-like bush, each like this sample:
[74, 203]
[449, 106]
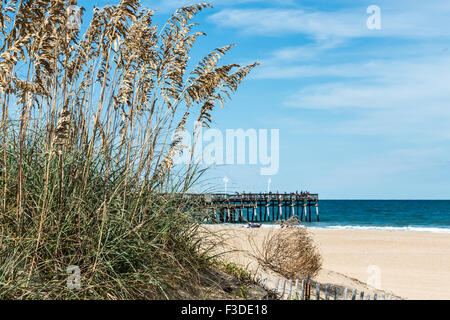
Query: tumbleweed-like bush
[90, 126]
[289, 251]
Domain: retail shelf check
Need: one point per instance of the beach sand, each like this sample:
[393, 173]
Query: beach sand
[411, 265]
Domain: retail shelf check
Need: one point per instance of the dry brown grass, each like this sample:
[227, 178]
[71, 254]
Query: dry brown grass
[289, 251]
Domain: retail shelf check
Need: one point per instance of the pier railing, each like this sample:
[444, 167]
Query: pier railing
[258, 207]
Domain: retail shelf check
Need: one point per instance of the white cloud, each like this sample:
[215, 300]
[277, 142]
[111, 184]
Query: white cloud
[282, 70]
[279, 22]
[398, 20]
[305, 52]
[408, 100]
[172, 5]
[413, 83]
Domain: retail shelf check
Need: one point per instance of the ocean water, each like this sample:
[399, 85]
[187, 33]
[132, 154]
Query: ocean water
[390, 215]
[394, 215]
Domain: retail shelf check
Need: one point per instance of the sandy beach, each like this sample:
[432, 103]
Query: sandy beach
[412, 265]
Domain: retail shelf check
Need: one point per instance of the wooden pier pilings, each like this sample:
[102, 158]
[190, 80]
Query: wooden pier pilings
[260, 207]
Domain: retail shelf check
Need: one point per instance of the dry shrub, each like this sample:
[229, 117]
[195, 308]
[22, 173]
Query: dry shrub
[289, 251]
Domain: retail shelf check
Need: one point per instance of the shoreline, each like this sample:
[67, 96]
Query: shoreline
[435, 230]
[310, 226]
[412, 265]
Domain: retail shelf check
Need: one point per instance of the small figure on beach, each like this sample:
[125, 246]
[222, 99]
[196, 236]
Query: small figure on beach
[254, 225]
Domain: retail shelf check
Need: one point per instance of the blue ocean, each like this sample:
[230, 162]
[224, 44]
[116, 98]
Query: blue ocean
[389, 215]
[395, 215]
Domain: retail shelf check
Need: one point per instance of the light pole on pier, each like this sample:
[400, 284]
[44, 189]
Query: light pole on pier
[225, 180]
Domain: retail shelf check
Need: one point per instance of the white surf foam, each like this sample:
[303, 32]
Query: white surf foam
[351, 227]
[387, 228]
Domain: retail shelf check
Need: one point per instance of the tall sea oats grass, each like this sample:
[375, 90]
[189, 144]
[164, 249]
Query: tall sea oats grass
[87, 156]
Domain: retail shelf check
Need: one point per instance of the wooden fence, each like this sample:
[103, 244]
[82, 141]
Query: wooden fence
[311, 290]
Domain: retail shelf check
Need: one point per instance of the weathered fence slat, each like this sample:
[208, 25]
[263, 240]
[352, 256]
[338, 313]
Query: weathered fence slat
[283, 288]
[317, 291]
[302, 295]
[290, 289]
[327, 292]
[293, 292]
[277, 282]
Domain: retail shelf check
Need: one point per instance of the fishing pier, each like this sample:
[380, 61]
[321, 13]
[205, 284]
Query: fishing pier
[259, 207]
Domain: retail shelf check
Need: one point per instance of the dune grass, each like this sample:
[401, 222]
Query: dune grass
[90, 126]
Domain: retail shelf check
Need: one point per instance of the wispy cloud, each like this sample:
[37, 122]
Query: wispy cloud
[413, 83]
[279, 22]
[397, 21]
[302, 53]
[408, 100]
[172, 5]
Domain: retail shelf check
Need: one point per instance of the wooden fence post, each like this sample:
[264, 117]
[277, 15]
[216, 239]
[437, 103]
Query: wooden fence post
[283, 288]
[345, 293]
[354, 294]
[290, 289]
[336, 293]
[296, 289]
[361, 297]
[368, 296]
[327, 292]
[277, 282]
[302, 295]
[375, 296]
[308, 287]
[317, 291]
[383, 296]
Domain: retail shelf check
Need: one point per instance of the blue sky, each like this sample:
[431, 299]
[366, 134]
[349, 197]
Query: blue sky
[363, 114]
